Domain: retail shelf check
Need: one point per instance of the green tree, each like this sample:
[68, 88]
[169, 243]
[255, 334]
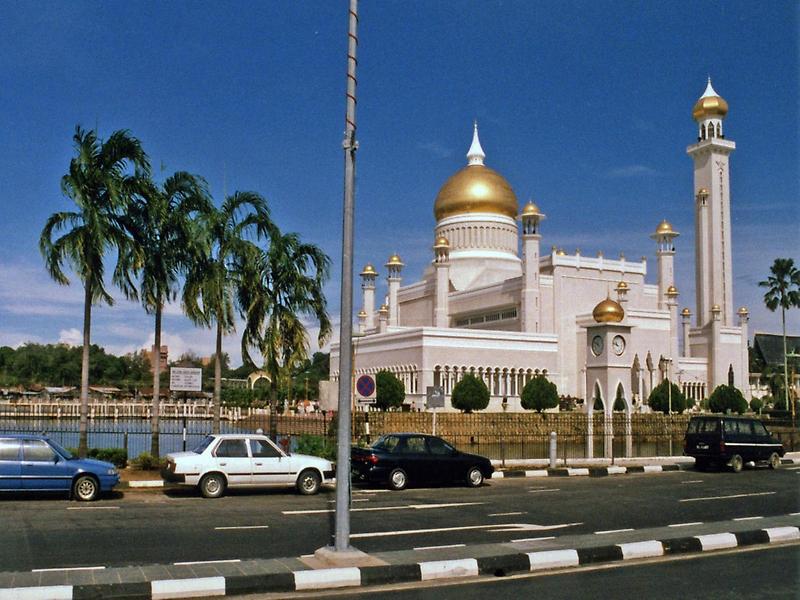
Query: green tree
[215, 282]
[725, 398]
[390, 392]
[286, 291]
[470, 393]
[100, 183]
[163, 222]
[539, 394]
[660, 399]
[756, 404]
[783, 289]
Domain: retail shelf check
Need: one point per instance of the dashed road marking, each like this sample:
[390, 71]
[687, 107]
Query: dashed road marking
[440, 547]
[242, 527]
[747, 518]
[207, 562]
[693, 481]
[613, 531]
[536, 539]
[508, 514]
[539, 490]
[727, 497]
[93, 508]
[686, 524]
[382, 508]
[58, 569]
[496, 528]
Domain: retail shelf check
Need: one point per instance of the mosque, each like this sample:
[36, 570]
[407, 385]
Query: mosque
[592, 325]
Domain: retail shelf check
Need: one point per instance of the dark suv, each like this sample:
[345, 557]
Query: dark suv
[731, 441]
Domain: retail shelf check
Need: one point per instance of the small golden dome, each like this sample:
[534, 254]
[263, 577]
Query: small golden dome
[622, 286]
[608, 311]
[368, 270]
[394, 261]
[710, 104]
[362, 314]
[715, 308]
[475, 189]
[441, 242]
[665, 228]
[561, 252]
[686, 312]
[531, 210]
[383, 310]
[672, 291]
[702, 192]
[743, 312]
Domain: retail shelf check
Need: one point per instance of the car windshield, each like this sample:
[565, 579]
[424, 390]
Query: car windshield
[62, 451]
[201, 447]
[386, 442]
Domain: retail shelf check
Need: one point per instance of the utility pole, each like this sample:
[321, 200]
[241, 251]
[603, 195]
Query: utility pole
[350, 145]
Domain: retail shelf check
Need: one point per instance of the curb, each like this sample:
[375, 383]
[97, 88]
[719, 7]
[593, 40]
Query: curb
[590, 471]
[343, 577]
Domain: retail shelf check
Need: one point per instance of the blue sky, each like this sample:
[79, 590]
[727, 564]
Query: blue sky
[583, 106]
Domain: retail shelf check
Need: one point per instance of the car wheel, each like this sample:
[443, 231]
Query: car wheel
[474, 477]
[398, 480]
[85, 488]
[774, 460]
[309, 482]
[212, 485]
[736, 463]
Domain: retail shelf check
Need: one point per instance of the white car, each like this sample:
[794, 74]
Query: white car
[245, 460]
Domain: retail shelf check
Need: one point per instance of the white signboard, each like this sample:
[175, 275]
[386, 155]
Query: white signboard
[184, 379]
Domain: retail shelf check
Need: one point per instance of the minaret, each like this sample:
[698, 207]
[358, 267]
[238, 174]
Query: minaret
[686, 321]
[713, 270]
[368, 276]
[394, 265]
[744, 377]
[672, 306]
[531, 216]
[665, 255]
[441, 261]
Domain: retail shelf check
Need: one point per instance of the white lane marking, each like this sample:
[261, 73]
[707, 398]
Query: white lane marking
[439, 547]
[794, 514]
[537, 539]
[508, 514]
[371, 491]
[207, 562]
[727, 497]
[380, 508]
[307, 555]
[613, 531]
[497, 528]
[537, 491]
[693, 481]
[747, 518]
[685, 524]
[67, 569]
[93, 508]
[352, 500]
[242, 527]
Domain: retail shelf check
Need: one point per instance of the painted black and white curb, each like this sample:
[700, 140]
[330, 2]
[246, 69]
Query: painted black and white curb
[505, 564]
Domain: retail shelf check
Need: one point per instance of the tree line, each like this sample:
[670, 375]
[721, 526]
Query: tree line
[168, 240]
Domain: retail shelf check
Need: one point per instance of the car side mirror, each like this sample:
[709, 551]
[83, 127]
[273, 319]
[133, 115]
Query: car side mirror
[55, 459]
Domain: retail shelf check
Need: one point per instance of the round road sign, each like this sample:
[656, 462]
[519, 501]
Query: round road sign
[365, 386]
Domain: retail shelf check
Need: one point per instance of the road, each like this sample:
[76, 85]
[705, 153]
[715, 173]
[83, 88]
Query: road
[154, 527]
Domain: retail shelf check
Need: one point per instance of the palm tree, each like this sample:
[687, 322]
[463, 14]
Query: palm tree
[289, 277]
[162, 220]
[100, 183]
[214, 282]
[783, 289]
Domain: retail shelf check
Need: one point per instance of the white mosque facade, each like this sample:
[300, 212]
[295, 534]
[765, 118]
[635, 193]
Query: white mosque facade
[591, 324]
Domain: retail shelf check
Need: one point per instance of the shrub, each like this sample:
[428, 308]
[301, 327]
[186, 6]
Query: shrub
[756, 404]
[539, 394]
[317, 445]
[469, 394]
[659, 399]
[390, 391]
[779, 403]
[727, 398]
[117, 456]
[147, 462]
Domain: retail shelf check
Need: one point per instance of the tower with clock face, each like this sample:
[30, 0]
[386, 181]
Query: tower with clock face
[608, 364]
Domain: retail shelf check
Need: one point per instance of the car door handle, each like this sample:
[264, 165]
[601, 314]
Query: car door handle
[259, 464]
[222, 464]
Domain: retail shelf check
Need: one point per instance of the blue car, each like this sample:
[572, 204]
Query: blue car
[35, 463]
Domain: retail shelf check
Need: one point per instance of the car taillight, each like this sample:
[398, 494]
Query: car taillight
[373, 459]
[722, 447]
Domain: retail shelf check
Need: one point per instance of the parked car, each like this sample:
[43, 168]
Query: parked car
[400, 459]
[35, 463]
[731, 441]
[245, 460]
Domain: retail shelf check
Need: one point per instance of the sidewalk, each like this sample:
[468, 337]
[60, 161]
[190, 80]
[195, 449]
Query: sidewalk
[284, 575]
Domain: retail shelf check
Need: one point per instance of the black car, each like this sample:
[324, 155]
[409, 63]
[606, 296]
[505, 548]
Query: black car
[731, 441]
[400, 459]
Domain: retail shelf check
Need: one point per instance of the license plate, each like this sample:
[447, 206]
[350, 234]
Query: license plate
[702, 446]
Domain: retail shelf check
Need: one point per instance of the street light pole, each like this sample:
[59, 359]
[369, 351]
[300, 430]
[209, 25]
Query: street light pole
[350, 145]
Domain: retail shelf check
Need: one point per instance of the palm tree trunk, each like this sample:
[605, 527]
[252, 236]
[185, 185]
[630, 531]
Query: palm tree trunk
[83, 440]
[217, 380]
[154, 449]
[786, 368]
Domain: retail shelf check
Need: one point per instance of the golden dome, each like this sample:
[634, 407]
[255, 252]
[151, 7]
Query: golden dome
[561, 252]
[715, 308]
[672, 291]
[531, 210]
[362, 314]
[475, 189]
[702, 192]
[665, 228]
[383, 310]
[608, 311]
[743, 312]
[710, 104]
[622, 286]
[686, 312]
[394, 261]
[441, 242]
[368, 270]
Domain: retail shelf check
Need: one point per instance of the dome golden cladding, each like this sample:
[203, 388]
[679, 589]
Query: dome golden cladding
[664, 227]
[394, 260]
[369, 270]
[715, 308]
[608, 311]
[686, 312]
[672, 291]
[622, 285]
[475, 189]
[531, 210]
[743, 311]
[362, 314]
[384, 310]
[710, 106]
[441, 242]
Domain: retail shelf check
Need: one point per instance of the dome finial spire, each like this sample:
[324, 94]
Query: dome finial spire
[475, 155]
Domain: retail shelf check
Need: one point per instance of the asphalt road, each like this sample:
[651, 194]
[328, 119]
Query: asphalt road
[156, 527]
[771, 573]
